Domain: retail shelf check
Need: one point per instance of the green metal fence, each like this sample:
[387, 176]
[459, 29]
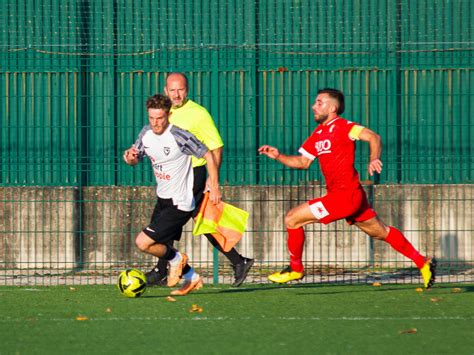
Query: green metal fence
[74, 76]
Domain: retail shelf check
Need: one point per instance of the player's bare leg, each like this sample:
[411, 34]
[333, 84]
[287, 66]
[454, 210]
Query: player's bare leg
[295, 219]
[150, 246]
[300, 216]
[178, 261]
[375, 228]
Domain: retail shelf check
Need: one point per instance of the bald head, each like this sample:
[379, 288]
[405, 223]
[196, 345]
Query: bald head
[176, 88]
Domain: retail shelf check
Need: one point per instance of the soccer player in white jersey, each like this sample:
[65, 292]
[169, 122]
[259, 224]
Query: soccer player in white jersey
[189, 115]
[169, 149]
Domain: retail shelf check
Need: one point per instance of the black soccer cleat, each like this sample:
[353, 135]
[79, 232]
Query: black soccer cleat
[156, 278]
[241, 271]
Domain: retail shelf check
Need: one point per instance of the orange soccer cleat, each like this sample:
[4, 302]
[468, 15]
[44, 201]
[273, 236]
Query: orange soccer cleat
[176, 271]
[188, 287]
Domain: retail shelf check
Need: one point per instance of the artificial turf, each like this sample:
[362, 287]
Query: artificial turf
[252, 319]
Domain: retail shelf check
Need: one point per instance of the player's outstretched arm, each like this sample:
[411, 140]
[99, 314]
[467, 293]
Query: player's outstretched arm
[130, 156]
[375, 144]
[292, 161]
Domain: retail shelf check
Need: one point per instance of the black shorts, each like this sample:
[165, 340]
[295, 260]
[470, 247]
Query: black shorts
[167, 221]
[200, 176]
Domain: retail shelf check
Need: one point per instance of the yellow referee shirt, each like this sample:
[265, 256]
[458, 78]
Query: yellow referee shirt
[197, 120]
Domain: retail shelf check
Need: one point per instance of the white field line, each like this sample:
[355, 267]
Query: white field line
[200, 318]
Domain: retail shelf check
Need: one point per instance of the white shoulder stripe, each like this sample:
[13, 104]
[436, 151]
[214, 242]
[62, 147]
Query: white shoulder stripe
[304, 153]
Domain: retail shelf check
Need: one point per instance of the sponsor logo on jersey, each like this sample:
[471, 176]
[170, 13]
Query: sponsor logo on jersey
[319, 210]
[162, 175]
[323, 147]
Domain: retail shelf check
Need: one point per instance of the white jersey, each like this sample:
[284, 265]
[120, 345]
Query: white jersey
[170, 156]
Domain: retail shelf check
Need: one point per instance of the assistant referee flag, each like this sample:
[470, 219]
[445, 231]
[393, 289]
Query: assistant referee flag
[225, 222]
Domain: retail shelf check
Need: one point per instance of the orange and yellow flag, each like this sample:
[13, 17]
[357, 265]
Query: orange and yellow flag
[225, 222]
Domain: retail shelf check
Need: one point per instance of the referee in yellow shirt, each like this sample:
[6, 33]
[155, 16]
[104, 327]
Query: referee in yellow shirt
[194, 118]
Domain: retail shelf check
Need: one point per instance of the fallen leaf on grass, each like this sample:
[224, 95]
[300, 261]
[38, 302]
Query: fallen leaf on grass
[376, 284]
[419, 289]
[195, 308]
[72, 288]
[108, 310]
[408, 331]
[457, 290]
[82, 318]
[170, 299]
[435, 299]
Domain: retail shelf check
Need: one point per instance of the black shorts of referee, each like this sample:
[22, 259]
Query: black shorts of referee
[200, 177]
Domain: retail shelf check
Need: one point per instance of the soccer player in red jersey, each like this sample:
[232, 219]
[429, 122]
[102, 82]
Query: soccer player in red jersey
[333, 143]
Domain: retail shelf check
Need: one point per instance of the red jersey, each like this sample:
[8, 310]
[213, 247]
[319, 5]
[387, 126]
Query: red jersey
[335, 148]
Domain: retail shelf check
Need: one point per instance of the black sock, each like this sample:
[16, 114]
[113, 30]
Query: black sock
[186, 268]
[162, 266]
[233, 256]
[170, 253]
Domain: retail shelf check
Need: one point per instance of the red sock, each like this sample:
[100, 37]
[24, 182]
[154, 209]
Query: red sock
[398, 242]
[295, 247]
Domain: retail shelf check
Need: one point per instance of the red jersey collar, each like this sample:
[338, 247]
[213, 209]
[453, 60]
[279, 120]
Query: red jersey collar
[331, 122]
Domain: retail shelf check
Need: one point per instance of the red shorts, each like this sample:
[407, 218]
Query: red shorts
[351, 205]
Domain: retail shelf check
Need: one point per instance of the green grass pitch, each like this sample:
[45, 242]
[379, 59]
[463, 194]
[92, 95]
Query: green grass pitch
[253, 319]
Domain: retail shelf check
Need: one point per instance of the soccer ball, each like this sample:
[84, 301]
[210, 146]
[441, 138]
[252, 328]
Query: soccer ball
[132, 283]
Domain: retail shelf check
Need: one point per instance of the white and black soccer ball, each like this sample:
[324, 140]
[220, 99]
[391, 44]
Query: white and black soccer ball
[132, 283]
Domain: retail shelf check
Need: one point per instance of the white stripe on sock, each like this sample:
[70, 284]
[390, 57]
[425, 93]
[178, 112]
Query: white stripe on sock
[177, 258]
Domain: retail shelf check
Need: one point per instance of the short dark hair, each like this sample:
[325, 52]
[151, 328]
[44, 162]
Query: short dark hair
[159, 101]
[335, 94]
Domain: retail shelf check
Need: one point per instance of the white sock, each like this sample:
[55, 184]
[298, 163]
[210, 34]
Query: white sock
[191, 275]
[177, 258]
